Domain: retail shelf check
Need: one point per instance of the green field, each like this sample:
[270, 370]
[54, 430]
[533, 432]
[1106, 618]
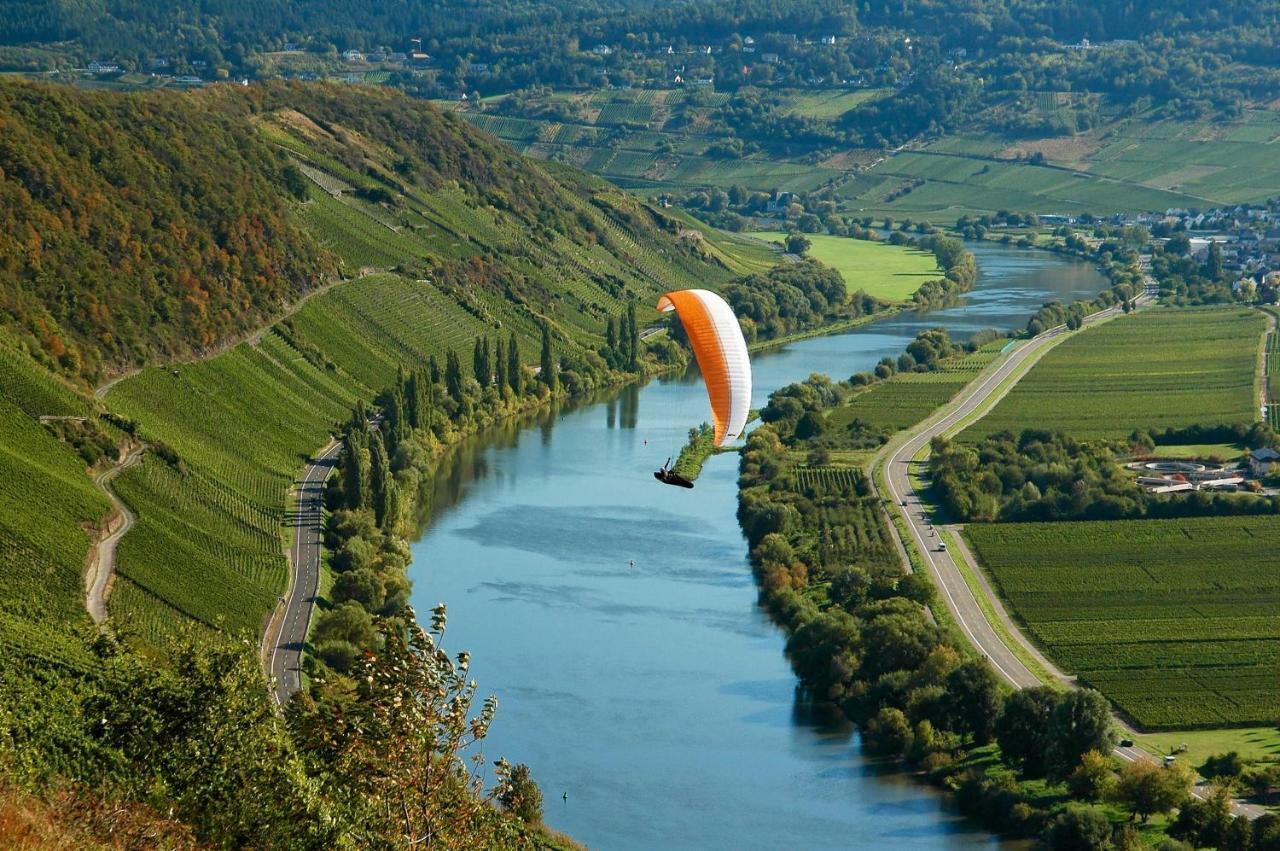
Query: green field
[889, 272]
[1157, 369]
[1174, 620]
[906, 398]
[828, 104]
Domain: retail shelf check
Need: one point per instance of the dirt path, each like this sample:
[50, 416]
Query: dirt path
[101, 563]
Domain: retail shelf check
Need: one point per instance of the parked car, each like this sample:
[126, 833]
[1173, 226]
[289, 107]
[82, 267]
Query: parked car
[1126, 743]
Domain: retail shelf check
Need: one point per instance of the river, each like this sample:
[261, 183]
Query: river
[657, 697]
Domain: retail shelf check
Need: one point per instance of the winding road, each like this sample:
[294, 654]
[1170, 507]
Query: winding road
[102, 557]
[974, 402]
[287, 631]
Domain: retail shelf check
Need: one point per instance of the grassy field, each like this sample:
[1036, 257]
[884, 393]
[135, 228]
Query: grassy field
[890, 272]
[1156, 369]
[829, 104]
[1174, 620]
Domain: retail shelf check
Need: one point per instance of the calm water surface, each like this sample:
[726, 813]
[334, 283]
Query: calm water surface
[658, 697]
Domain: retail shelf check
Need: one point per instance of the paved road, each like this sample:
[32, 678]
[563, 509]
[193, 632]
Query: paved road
[287, 631]
[974, 402]
[102, 563]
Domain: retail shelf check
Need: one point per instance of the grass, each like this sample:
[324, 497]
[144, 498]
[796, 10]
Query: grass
[1225, 451]
[889, 272]
[1150, 612]
[1254, 744]
[829, 104]
[1153, 370]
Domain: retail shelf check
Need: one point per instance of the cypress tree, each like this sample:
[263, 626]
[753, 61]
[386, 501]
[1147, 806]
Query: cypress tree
[513, 364]
[355, 470]
[499, 364]
[611, 336]
[480, 361]
[380, 481]
[453, 375]
[633, 338]
[411, 399]
[426, 399]
[548, 373]
[434, 367]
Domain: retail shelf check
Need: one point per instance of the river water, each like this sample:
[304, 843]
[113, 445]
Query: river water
[657, 697]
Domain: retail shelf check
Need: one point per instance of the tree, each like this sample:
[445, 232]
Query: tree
[1146, 789]
[480, 362]
[499, 365]
[1092, 779]
[513, 364]
[1081, 722]
[453, 375]
[611, 336]
[633, 338]
[1204, 823]
[547, 375]
[355, 468]
[1023, 729]
[797, 243]
[409, 740]
[973, 700]
[1079, 828]
[381, 483]
[522, 796]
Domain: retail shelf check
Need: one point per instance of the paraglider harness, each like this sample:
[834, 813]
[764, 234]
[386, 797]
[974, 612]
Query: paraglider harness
[670, 477]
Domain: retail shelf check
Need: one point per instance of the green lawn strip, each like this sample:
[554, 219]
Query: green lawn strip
[1254, 744]
[969, 572]
[1225, 451]
[890, 272]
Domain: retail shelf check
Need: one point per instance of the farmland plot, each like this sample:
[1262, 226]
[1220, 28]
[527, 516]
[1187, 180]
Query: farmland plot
[1176, 621]
[1154, 370]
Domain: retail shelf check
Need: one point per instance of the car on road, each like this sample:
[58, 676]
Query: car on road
[1126, 743]
[942, 546]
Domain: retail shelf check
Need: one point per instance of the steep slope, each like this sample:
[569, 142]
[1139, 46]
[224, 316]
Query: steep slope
[431, 235]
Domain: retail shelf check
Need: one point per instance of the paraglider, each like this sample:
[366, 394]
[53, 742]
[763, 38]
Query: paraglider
[668, 476]
[721, 352]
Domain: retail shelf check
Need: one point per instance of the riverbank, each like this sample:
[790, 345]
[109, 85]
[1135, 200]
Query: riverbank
[533, 525]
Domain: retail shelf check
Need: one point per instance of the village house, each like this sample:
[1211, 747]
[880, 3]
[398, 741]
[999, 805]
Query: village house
[103, 68]
[1263, 461]
[353, 56]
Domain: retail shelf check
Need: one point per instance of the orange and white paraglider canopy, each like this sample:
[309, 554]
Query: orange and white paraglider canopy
[721, 351]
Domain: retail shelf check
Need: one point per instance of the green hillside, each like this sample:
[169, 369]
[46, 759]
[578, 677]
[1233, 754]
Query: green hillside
[431, 236]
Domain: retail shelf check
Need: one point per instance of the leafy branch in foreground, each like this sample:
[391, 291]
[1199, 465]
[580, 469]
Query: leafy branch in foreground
[404, 751]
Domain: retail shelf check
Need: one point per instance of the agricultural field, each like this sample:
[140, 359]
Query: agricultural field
[829, 104]
[1156, 369]
[1174, 620]
[1125, 164]
[889, 272]
[907, 398]
[210, 538]
[47, 502]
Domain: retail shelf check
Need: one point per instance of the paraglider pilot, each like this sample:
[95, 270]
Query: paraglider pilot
[668, 476]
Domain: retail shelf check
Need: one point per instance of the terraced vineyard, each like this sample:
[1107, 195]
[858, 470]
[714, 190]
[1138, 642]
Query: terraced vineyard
[1176, 621]
[1160, 368]
[46, 504]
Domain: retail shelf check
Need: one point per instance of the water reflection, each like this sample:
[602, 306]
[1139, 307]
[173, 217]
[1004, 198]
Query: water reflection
[658, 696]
